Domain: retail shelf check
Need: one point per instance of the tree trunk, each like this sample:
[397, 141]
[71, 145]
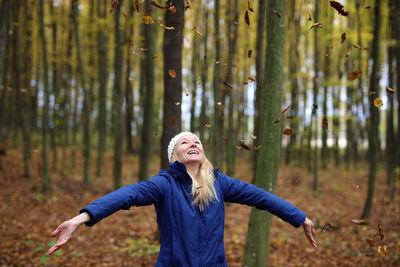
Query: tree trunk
[102, 72]
[195, 59]
[45, 112]
[373, 133]
[148, 89]
[172, 49]
[233, 15]
[256, 250]
[218, 108]
[204, 72]
[4, 28]
[86, 100]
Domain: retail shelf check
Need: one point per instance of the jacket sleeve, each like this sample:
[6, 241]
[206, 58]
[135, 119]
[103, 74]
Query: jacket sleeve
[143, 193]
[241, 192]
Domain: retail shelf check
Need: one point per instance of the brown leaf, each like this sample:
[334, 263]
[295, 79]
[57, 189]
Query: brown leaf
[330, 227]
[249, 53]
[354, 75]
[186, 92]
[251, 79]
[246, 18]
[289, 117]
[245, 82]
[228, 84]
[137, 5]
[249, 6]
[114, 5]
[343, 36]
[167, 28]
[325, 123]
[196, 32]
[309, 17]
[277, 14]
[316, 25]
[285, 109]
[380, 232]
[315, 106]
[390, 91]
[356, 45]
[172, 73]
[244, 146]
[257, 147]
[382, 250]
[254, 137]
[160, 6]
[276, 121]
[207, 125]
[371, 93]
[173, 120]
[288, 131]
[359, 222]
[147, 20]
[187, 5]
[367, 7]
[339, 8]
[172, 9]
[348, 52]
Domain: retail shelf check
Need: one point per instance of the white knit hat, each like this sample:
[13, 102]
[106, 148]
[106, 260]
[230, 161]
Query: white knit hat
[174, 140]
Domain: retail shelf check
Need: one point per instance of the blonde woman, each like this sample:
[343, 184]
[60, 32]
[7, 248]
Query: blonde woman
[189, 201]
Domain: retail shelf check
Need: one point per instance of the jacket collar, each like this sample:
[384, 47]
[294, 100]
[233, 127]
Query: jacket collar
[178, 170]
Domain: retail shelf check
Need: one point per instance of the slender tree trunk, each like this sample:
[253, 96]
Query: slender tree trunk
[314, 118]
[373, 133]
[117, 101]
[195, 59]
[218, 108]
[256, 250]
[45, 112]
[86, 100]
[172, 49]
[16, 82]
[4, 28]
[102, 72]
[148, 89]
[204, 72]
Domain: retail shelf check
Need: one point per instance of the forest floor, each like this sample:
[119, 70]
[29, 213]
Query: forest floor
[127, 238]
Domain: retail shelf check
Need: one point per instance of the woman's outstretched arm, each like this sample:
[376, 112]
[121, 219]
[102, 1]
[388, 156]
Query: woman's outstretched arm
[66, 230]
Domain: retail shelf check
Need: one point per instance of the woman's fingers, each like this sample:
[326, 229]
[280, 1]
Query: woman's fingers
[55, 232]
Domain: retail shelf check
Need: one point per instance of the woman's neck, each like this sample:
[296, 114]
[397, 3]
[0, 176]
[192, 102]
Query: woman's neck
[193, 169]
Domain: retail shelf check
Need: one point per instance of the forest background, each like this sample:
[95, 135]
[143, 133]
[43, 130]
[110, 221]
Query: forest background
[91, 92]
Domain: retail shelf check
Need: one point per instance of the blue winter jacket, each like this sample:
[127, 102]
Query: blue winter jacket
[189, 237]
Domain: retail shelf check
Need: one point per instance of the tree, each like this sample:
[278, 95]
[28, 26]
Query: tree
[204, 72]
[373, 134]
[256, 250]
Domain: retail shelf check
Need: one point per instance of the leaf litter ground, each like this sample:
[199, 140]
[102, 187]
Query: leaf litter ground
[128, 238]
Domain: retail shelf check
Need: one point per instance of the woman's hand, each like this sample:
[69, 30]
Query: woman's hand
[309, 231]
[66, 231]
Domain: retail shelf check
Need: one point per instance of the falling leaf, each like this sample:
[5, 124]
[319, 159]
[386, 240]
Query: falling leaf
[114, 5]
[366, 48]
[371, 93]
[186, 92]
[187, 5]
[207, 125]
[172, 73]
[390, 91]
[339, 8]
[244, 146]
[354, 75]
[238, 148]
[246, 18]
[137, 5]
[251, 79]
[356, 45]
[348, 52]
[367, 7]
[288, 131]
[249, 53]
[245, 82]
[289, 117]
[277, 121]
[277, 14]
[147, 20]
[254, 137]
[249, 6]
[228, 84]
[219, 103]
[309, 17]
[343, 36]
[155, 56]
[172, 9]
[177, 103]
[330, 227]
[378, 102]
[167, 28]
[356, 187]
[325, 123]
[372, 241]
[257, 147]
[315, 106]
[160, 6]
[316, 25]
[173, 120]
[285, 109]
[197, 32]
[327, 55]
[124, 14]
[359, 222]
[380, 232]
[382, 250]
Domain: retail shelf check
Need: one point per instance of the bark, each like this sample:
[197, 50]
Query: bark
[204, 72]
[172, 49]
[256, 250]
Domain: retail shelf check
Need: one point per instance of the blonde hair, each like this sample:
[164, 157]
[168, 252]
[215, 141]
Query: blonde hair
[203, 190]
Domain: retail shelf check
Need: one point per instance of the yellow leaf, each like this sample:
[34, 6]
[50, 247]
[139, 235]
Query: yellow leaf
[378, 102]
[148, 20]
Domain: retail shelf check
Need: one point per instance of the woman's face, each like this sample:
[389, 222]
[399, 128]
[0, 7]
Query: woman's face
[189, 149]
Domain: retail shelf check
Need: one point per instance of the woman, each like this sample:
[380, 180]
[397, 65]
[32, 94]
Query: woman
[189, 201]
